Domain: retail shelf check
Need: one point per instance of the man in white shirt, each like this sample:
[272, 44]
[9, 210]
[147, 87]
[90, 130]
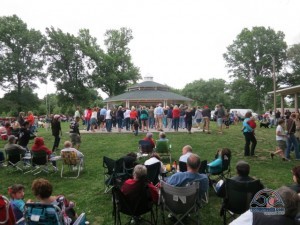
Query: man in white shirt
[186, 152]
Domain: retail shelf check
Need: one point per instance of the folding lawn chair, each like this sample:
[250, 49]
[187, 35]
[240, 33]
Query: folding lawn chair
[114, 172]
[163, 148]
[71, 160]
[136, 209]
[145, 147]
[181, 202]
[41, 163]
[238, 197]
[153, 172]
[14, 160]
[6, 213]
[43, 214]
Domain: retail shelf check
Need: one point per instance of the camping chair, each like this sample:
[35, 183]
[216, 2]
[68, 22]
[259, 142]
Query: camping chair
[163, 148]
[6, 213]
[41, 163]
[180, 201]
[153, 172]
[182, 166]
[71, 160]
[145, 147]
[113, 172]
[134, 208]
[238, 197]
[14, 160]
[43, 214]
[226, 171]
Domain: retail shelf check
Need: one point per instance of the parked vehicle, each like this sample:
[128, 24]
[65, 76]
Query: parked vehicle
[241, 112]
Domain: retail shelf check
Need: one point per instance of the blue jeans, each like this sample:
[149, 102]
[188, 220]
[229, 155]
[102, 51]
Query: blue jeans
[108, 125]
[176, 123]
[292, 140]
[151, 122]
[181, 122]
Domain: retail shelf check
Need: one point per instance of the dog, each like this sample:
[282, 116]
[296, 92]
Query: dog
[264, 124]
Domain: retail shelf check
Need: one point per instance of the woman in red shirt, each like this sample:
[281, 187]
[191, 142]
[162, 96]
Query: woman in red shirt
[176, 116]
[133, 116]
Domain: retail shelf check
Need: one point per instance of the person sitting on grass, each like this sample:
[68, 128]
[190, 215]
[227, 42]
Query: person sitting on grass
[42, 190]
[281, 141]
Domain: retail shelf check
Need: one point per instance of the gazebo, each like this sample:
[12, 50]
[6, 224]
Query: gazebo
[148, 93]
[294, 90]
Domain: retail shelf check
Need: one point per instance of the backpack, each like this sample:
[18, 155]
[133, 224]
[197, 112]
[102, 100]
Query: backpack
[67, 209]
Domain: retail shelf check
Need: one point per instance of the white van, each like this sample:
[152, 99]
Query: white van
[241, 112]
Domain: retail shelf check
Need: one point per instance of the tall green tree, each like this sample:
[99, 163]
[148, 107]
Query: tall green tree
[21, 57]
[115, 70]
[250, 58]
[69, 67]
[209, 92]
[292, 75]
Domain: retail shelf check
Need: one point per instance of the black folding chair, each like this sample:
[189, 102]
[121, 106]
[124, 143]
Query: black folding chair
[238, 197]
[153, 172]
[145, 147]
[202, 169]
[114, 173]
[181, 202]
[135, 207]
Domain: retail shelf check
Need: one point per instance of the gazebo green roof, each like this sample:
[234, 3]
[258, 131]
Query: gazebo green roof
[148, 91]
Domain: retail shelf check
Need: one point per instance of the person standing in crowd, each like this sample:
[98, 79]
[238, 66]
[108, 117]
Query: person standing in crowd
[77, 112]
[56, 131]
[198, 117]
[30, 119]
[170, 117]
[220, 113]
[120, 118]
[21, 119]
[108, 120]
[88, 118]
[127, 118]
[176, 117]
[249, 136]
[277, 116]
[181, 118]
[291, 138]
[151, 117]
[74, 133]
[133, 117]
[144, 118]
[206, 114]
[188, 117]
[159, 114]
[94, 121]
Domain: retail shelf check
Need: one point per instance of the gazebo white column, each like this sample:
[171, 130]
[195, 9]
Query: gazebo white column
[296, 101]
[282, 104]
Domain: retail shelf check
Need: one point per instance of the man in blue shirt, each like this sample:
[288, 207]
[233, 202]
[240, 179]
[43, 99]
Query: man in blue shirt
[182, 179]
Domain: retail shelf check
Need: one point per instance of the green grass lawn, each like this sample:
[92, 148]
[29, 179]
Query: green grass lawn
[88, 190]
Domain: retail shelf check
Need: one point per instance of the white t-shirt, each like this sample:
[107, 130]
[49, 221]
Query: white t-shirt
[281, 130]
[127, 113]
[184, 157]
[94, 114]
[108, 116]
[244, 219]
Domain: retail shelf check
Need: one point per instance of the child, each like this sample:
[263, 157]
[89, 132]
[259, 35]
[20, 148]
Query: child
[17, 203]
[136, 127]
[281, 141]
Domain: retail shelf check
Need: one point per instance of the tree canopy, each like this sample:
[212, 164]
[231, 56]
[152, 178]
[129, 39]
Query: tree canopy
[250, 58]
[21, 56]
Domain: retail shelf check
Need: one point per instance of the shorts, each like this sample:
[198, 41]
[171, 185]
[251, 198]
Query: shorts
[93, 121]
[281, 144]
[220, 121]
[102, 118]
[75, 138]
[198, 120]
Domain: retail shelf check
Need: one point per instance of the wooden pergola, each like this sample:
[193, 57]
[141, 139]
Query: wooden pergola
[295, 90]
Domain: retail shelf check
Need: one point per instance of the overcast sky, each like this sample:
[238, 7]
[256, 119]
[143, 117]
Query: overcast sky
[175, 41]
